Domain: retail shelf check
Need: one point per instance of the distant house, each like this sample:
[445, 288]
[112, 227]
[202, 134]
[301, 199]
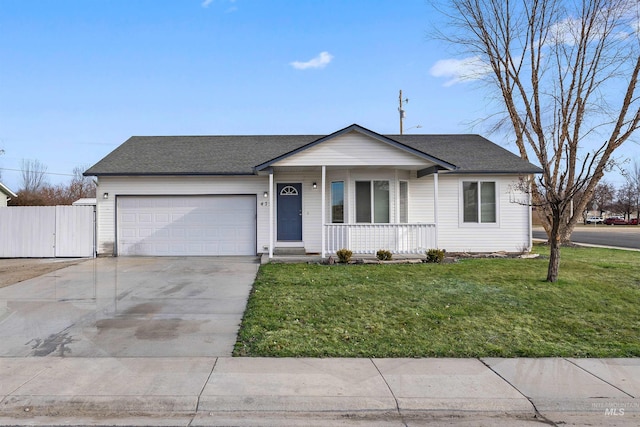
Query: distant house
[354, 188]
[5, 195]
[91, 201]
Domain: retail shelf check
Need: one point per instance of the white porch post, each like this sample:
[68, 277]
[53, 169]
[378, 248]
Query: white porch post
[271, 215]
[322, 193]
[435, 205]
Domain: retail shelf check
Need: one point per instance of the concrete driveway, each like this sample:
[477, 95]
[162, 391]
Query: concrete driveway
[129, 307]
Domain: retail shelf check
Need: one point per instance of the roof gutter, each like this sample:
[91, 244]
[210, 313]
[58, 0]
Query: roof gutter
[98, 174]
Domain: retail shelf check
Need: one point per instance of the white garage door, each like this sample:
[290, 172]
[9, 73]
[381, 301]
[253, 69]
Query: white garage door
[186, 225]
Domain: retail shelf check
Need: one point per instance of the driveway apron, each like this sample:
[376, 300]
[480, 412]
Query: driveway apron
[129, 307]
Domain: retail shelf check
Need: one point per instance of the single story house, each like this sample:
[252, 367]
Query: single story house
[354, 189]
[5, 195]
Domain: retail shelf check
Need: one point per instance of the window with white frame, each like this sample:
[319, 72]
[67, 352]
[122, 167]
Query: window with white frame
[479, 202]
[337, 202]
[404, 202]
[372, 202]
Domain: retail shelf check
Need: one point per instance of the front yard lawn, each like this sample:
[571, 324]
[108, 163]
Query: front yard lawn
[473, 308]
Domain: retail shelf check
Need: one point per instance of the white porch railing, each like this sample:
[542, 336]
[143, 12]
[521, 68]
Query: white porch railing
[369, 238]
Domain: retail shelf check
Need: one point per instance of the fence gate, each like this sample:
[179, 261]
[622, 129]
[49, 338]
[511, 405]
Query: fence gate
[47, 231]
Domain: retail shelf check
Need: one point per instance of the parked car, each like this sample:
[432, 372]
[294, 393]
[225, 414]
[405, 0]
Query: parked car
[595, 220]
[615, 221]
[633, 221]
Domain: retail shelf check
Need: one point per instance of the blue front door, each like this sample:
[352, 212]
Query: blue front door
[289, 212]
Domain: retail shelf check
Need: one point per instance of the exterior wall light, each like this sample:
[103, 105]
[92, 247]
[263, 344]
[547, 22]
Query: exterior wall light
[105, 196]
[315, 185]
[266, 194]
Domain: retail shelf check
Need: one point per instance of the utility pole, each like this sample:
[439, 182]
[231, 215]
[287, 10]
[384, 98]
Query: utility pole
[400, 109]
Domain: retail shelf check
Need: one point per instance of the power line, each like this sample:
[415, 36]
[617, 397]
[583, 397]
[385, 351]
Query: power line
[45, 173]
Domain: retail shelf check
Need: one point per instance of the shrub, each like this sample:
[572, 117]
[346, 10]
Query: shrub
[384, 255]
[435, 255]
[344, 255]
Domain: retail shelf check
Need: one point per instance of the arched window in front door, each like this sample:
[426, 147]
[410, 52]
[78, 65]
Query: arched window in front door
[289, 190]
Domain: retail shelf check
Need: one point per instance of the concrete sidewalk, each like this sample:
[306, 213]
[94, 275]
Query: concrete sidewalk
[265, 391]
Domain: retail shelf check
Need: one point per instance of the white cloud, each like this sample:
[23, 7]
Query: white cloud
[320, 61]
[460, 70]
[569, 31]
[206, 3]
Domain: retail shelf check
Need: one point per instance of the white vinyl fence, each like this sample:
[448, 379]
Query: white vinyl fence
[47, 231]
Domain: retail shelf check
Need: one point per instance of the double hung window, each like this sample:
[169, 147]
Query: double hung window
[479, 201]
[372, 202]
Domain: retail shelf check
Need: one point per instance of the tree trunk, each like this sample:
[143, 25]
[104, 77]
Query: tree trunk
[554, 261]
[554, 245]
[566, 226]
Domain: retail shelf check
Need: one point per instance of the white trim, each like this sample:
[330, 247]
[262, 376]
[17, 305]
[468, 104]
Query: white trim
[271, 214]
[397, 204]
[323, 208]
[347, 199]
[372, 200]
[331, 218]
[290, 244]
[478, 224]
[435, 205]
[529, 219]
[399, 201]
[283, 181]
[7, 191]
[289, 190]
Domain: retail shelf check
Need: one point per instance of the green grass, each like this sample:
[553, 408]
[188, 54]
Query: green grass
[474, 308]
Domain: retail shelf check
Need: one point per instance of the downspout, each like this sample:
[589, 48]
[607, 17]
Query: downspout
[271, 214]
[95, 229]
[323, 216]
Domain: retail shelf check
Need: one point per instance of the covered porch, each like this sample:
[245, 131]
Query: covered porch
[357, 190]
[360, 209]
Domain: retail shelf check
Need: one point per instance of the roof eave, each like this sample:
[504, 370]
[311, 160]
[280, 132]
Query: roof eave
[495, 172]
[98, 174]
[7, 191]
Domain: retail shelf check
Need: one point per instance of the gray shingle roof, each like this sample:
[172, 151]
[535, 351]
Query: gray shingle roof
[470, 153]
[239, 155]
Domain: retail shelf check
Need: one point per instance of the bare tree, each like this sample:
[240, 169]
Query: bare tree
[625, 200]
[632, 176]
[81, 186]
[566, 74]
[33, 175]
[603, 197]
[61, 194]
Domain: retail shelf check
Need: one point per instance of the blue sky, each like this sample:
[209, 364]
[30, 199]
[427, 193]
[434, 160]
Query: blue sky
[77, 78]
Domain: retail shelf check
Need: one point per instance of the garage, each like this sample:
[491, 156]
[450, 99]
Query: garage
[186, 225]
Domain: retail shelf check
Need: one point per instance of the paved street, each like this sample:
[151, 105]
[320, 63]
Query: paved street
[602, 235]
